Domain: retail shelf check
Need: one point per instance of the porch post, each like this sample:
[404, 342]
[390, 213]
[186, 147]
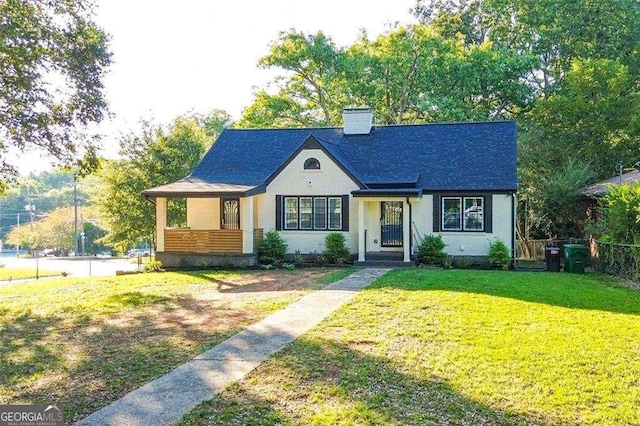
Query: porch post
[246, 224]
[161, 222]
[406, 231]
[361, 241]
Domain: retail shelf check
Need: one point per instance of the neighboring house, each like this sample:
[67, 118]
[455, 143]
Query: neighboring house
[600, 188]
[594, 191]
[383, 187]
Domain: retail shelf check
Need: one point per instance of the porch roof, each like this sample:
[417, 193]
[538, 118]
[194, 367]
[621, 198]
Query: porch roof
[197, 188]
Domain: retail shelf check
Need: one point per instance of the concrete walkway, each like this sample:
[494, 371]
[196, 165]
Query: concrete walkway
[166, 399]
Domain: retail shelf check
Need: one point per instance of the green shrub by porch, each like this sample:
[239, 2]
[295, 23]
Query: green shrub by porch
[272, 249]
[336, 250]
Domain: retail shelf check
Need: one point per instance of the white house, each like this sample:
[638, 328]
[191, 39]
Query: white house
[383, 187]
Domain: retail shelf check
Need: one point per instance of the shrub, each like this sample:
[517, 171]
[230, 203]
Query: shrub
[335, 249]
[272, 249]
[297, 258]
[431, 250]
[153, 266]
[498, 256]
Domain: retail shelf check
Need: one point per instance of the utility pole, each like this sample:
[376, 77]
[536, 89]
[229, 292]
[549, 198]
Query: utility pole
[18, 245]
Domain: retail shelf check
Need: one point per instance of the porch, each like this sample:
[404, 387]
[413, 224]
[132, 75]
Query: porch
[384, 232]
[220, 231]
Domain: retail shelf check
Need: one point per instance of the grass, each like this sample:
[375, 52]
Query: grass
[424, 347]
[84, 342]
[9, 274]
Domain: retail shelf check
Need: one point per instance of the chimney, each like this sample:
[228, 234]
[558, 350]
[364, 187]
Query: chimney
[357, 121]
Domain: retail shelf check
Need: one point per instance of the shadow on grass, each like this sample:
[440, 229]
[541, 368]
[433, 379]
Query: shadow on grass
[322, 382]
[578, 291]
[83, 363]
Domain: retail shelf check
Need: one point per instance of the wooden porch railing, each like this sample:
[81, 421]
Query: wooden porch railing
[217, 241]
[184, 240]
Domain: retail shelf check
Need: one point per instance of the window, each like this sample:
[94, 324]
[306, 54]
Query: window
[335, 213]
[312, 213]
[463, 214]
[230, 214]
[319, 213]
[306, 213]
[312, 164]
[291, 213]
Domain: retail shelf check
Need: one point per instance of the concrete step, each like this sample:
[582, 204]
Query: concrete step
[385, 264]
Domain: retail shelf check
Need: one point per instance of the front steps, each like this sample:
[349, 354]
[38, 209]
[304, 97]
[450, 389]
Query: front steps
[385, 260]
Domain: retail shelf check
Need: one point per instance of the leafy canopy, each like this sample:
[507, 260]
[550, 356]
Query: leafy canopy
[52, 60]
[154, 157]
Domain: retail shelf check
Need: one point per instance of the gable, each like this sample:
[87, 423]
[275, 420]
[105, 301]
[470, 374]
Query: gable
[293, 179]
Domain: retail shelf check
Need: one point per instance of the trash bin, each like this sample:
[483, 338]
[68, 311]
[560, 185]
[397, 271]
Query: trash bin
[553, 256]
[575, 257]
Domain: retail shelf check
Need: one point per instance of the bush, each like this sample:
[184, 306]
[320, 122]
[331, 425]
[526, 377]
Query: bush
[335, 249]
[153, 266]
[431, 250]
[499, 257]
[272, 249]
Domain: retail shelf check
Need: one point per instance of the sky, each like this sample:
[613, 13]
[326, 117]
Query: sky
[171, 58]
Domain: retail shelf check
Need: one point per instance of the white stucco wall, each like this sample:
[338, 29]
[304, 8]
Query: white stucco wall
[468, 243]
[203, 213]
[330, 180]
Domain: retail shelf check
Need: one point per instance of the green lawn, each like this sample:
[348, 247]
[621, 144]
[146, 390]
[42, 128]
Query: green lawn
[455, 347]
[84, 342]
[8, 274]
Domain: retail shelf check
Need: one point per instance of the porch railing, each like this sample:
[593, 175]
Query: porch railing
[185, 240]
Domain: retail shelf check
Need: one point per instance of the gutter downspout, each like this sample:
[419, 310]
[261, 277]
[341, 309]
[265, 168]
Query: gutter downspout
[410, 228]
[513, 230]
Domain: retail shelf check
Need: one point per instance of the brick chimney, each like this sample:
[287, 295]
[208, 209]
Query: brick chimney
[357, 121]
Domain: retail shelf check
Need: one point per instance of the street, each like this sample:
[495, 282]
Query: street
[87, 266]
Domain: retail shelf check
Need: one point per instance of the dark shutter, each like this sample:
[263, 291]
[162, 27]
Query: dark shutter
[488, 213]
[278, 212]
[436, 213]
[345, 212]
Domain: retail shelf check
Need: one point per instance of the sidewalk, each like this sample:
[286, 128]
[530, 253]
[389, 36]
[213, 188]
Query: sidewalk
[166, 399]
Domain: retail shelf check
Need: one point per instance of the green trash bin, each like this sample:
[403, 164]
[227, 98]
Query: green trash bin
[575, 256]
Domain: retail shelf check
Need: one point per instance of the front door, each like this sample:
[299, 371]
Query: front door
[391, 223]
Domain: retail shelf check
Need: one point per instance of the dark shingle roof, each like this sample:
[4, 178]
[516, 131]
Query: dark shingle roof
[434, 157]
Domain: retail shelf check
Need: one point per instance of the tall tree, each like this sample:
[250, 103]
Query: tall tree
[408, 75]
[52, 60]
[155, 157]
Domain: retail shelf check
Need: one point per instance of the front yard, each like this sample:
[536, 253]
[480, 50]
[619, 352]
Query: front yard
[455, 347]
[84, 342]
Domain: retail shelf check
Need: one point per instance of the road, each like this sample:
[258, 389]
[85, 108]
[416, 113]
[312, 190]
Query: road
[74, 266]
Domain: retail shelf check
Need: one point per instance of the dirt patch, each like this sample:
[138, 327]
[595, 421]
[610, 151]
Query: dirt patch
[85, 363]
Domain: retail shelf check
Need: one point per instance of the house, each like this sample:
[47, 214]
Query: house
[600, 188]
[383, 187]
[593, 192]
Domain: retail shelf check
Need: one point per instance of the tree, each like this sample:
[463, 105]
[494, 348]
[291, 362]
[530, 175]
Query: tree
[54, 230]
[584, 90]
[621, 214]
[155, 157]
[52, 60]
[408, 75]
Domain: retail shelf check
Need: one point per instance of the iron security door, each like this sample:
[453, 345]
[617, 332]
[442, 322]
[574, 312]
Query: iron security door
[391, 223]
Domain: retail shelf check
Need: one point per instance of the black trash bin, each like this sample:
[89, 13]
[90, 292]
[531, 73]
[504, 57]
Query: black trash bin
[553, 256]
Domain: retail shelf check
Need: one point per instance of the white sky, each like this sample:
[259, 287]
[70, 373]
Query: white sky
[175, 57]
